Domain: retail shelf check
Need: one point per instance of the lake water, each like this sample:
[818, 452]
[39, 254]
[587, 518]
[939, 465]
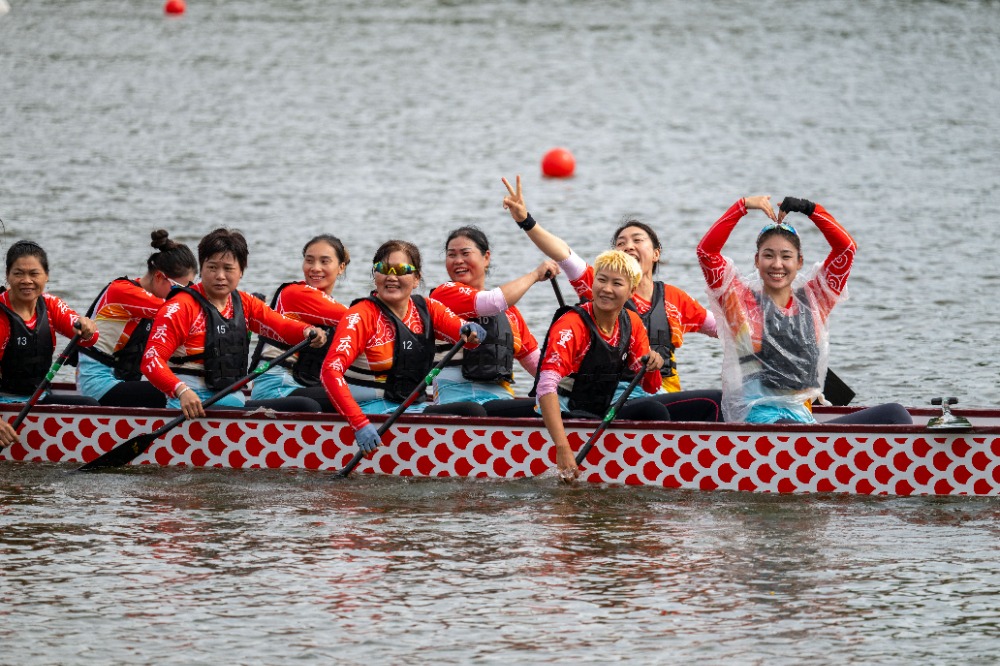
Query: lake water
[374, 120]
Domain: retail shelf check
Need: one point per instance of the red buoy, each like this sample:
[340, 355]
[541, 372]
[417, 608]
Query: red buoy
[174, 7]
[558, 163]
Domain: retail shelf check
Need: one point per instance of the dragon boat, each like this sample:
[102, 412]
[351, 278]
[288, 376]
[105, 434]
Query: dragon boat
[942, 453]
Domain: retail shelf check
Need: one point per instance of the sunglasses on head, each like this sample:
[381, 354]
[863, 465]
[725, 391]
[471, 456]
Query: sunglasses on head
[777, 225]
[386, 268]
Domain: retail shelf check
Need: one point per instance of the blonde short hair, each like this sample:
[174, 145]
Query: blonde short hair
[619, 262]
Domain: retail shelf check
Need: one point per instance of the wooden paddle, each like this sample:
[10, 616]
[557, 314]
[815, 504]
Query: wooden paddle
[131, 449]
[610, 416]
[417, 392]
[37, 395]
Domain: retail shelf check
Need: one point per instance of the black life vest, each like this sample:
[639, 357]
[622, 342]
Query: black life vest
[308, 364]
[493, 359]
[789, 352]
[658, 327]
[127, 360]
[28, 355]
[592, 387]
[227, 344]
[412, 357]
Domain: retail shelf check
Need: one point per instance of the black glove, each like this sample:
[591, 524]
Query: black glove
[793, 205]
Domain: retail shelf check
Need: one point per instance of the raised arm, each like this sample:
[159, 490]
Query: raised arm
[838, 263]
[710, 247]
[551, 245]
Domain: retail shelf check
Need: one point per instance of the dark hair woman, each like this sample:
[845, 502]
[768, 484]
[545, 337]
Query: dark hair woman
[29, 322]
[667, 312]
[775, 337]
[310, 300]
[384, 346]
[200, 338]
[485, 375]
[124, 310]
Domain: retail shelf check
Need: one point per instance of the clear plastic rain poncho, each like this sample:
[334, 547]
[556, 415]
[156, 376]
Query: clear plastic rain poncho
[774, 359]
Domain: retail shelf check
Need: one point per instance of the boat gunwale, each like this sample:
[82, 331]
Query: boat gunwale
[444, 420]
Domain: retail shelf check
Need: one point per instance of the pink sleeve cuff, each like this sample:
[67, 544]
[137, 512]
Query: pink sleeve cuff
[709, 326]
[548, 382]
[489, 303]
[530, 362]
[573, 266]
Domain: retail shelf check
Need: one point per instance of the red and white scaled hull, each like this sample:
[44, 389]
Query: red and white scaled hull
[867, 460]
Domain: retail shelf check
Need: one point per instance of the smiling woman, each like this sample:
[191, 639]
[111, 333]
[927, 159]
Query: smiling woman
[776, 334]
[199, 343]
[29, 321]
[589, 349]
[384, 345]
[324, 260]
[485, 375]
[666, 312]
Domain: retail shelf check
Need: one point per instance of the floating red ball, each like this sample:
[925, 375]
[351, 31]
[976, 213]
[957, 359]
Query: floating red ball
[558, 163]
[174, 7]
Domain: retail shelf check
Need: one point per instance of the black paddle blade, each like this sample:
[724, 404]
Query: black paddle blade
[343, 474]
[836, 391]
[122, 454]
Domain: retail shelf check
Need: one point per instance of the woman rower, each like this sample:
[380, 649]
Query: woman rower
[667, 312]
[31, 318]
[485, 374]
[200, 339]
[588, 350]
[124, 311]
[384, 345]
[775, 337]
[324, 259]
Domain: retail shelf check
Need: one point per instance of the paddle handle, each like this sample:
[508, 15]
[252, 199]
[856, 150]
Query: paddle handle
[558, 291]
[435, 371]
[261, 368]
[49, 376]
[610, 416]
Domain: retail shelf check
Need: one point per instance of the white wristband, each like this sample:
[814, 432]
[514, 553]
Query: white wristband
[181, 390]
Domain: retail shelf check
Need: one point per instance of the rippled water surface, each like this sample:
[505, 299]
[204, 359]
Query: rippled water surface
[193, 566]
[374, 120]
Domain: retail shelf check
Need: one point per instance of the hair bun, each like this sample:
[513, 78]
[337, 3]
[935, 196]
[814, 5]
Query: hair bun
[161, 240]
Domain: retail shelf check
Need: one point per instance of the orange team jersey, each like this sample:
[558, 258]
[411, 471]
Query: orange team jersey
[61, 320]
[569, 340]
[307, 304]
[301, 302]
[461, 299]
[367, 338]
[684, 313]
[179, 330]
[119, 310]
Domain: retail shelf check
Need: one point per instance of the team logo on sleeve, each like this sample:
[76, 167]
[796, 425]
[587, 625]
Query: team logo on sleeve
[352, 321]
[564, 337]
[159, 335]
